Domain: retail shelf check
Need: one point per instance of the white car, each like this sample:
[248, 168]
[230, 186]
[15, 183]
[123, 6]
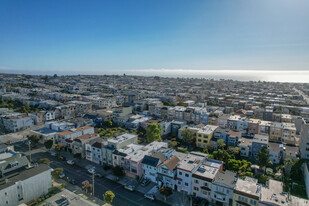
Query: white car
[129, 187]
[91, 171]
[150, 196]
[62, 175]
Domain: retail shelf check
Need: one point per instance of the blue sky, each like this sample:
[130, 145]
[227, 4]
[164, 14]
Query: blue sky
[73, 36]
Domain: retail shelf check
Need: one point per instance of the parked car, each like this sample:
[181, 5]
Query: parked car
[150, 196]
[53, 153]
[60, 157]
[99, 175]
[70, 162]
[129, 187]
[62, 175]
[91, 171]
[145, 182]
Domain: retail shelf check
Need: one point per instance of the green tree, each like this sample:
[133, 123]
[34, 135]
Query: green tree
[48, 144]
[34, 138]
[233, 151]
[187, 136]
[153, 132]
[288, 163]
[263, 156]
[221, 155]
[109, 196]
[44, 161]
[221, 144]
[107, 123]
[57, 172]
[166, 191]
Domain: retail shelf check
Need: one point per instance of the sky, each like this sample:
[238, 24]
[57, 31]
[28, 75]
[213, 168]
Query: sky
[98, 37]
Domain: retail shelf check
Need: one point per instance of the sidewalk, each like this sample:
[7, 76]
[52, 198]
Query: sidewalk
[85, 163]
[77, 190]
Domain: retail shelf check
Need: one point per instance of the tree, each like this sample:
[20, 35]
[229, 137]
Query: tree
[118, 171]
[242, 167]
[187, 136]
[288, 163]
[57, 172]
[34, 138]
[48, 144]
[166, 191]
[109, 196]
[107, 123]
[44, 161]
[153, 132]
[221, 144]
[86, 185]
[59, 147]
[263, 156]
[221, 155]
[233, 151]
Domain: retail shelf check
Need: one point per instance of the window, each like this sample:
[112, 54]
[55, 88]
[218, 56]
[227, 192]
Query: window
[205, 184]
[180, 173]
[186, 175]
[196, 181]
[196, 188]
[186, 184]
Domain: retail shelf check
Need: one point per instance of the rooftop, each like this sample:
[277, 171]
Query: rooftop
[248, 185]
[192, 161]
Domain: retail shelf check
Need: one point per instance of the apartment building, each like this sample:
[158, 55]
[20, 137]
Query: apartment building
[133, 161]
[116, 143]
[222, 188]
[203, 177]
[246, 192]
[186, 168]
[23, 187]
[204, 135]
[167, 171]
[16, 122]
[93, 150]
[304, 140]
[150, 164]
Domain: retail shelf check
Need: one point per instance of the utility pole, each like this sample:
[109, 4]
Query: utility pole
[29, 150]
[93, 183]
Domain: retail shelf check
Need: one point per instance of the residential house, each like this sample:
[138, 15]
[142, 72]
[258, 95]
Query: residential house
[203, 177]
[150, 164]
[222, 188]
[246, 192]
[204, 135]
[186, 168]
[167, 171]
[133, 161]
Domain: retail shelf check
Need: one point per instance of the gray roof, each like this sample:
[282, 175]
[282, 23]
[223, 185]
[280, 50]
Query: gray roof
[23, 175]
[227, 178]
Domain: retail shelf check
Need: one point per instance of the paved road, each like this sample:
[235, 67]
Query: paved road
[303, 94]
[122, 196]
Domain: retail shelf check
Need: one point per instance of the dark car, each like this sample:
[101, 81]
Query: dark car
[60, 157]
[99, 175]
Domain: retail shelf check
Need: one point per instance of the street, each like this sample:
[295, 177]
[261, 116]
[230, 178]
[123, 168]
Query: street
[122, 196]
